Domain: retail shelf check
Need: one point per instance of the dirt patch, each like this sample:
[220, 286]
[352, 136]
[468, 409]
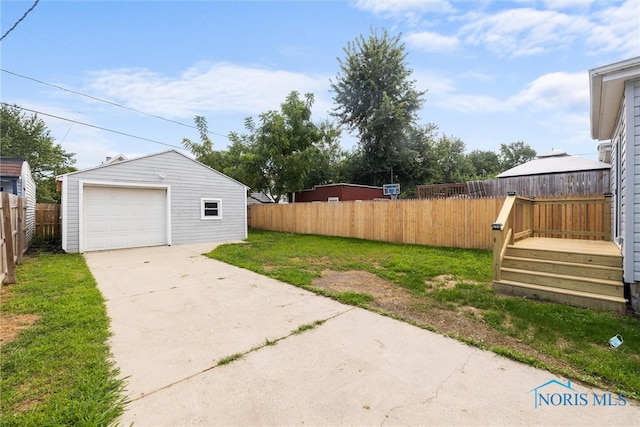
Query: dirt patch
[463, 322]
[439, 282]
[12, 324]
[361, 282]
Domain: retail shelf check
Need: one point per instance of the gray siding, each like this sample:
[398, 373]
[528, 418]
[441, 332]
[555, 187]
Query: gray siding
[30, 195]
[188, 180]
[633, 130]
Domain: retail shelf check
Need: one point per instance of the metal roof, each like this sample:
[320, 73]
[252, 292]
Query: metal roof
[554, 162]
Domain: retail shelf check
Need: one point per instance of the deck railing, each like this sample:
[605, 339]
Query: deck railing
[520, 217]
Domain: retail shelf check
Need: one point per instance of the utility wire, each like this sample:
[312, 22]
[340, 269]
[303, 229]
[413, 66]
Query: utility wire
[20, 20]
[95, 127]
[115, 104]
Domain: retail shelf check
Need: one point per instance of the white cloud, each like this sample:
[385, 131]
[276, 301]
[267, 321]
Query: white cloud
[568, 4]
[432, 42]
[617, 29]
[403, 7]
[443, 94]
[524, 31]
[219, 88]
[555, 91]
[527, 30]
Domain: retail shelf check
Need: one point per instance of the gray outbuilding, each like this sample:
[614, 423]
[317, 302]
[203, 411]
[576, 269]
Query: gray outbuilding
[165, 198]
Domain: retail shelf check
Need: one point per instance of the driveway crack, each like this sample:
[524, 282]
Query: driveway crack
[437, 391]
[229, 359]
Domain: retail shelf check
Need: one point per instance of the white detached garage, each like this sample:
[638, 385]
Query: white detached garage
[160, 199]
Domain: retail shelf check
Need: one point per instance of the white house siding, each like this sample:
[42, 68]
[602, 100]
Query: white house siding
[188, 182]
[633, 129]
[619, 183]
[30, 196]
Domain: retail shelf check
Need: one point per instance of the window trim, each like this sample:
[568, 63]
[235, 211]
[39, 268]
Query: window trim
[205, 200]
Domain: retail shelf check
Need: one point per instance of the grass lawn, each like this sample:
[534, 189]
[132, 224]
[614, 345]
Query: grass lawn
[448, 291]
[54, 356]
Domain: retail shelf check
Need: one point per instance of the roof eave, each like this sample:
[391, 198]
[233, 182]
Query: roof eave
[606, 86]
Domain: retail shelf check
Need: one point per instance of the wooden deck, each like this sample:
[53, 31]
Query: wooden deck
[585, 273]
[596, 247]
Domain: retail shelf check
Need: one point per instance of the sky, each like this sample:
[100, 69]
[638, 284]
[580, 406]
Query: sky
[495, 72]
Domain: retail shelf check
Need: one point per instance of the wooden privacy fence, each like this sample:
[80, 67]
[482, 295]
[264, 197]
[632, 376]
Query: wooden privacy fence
[587, 218]
[463, 223]
[12, 235]
[48, 221]
[556, 185]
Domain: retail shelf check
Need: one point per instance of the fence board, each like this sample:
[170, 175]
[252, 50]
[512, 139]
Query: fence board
[443, 222]
[48, 221]
[12, 235]
[462, 223]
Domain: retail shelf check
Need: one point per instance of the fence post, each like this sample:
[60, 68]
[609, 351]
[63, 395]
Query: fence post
[22, 233]
[607, 217]
[8, 239]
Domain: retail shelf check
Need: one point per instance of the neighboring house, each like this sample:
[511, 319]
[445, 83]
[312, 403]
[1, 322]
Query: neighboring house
[165, 198]
[615, 116]
[554, 174]
[258, 199]
[16, 178]
[338, 193]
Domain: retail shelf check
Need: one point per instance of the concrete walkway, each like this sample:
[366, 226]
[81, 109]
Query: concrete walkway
[175, 314]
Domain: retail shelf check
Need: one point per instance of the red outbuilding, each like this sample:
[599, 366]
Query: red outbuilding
[338, 193]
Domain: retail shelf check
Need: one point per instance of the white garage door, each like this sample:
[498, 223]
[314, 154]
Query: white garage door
[121, 217]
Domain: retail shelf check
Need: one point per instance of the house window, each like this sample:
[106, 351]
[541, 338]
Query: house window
[210, 208]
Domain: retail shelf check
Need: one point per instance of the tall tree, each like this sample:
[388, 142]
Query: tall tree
[280, 147]
[27, 137]
[376, 98]
[283, 152]
[452, 163]
[514, 154]
[418, 162]
[486, 164]
[327, 158]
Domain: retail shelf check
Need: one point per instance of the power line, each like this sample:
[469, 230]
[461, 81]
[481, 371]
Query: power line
[115, 104]
[95, 126]
[20, 20]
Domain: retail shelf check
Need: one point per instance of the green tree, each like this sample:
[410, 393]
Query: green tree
[282, 153]
[327, 158]
[204, 152]
[418, 163]
[27, 137]
[376, 99]
[280, 150]
[486, 164]
[452, 165]
[514, 154]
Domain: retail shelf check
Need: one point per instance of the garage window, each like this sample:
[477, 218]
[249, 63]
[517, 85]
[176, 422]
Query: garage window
[210, 208]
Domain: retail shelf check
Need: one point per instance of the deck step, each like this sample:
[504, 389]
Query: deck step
[562, 267]
[564, 281]
[571, 257]
[565, 296]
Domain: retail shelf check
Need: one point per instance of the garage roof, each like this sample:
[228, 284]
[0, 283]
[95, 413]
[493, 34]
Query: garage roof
[555, 161]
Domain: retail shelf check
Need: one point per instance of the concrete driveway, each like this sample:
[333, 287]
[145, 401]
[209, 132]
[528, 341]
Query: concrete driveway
[175, 314]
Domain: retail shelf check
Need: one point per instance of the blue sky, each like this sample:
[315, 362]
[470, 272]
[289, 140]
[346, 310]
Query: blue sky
[495, 71]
